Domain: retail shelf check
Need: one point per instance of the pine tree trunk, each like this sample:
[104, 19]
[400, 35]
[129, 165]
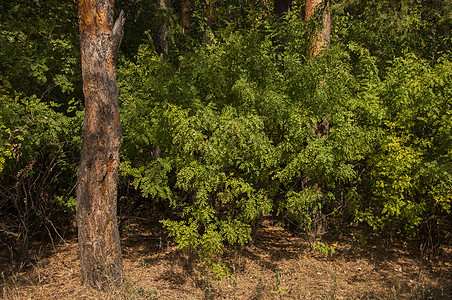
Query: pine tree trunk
[322, 36]
[161, 36]
[97, 174]
[320, 41]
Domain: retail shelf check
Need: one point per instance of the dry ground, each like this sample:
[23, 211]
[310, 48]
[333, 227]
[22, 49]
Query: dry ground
[277, 265]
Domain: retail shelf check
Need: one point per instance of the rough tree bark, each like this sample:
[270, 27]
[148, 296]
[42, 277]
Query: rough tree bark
[322, 36]
[97, 174]
[161, 36]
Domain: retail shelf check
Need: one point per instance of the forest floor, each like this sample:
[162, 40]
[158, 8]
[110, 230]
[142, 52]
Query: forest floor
[277, 265]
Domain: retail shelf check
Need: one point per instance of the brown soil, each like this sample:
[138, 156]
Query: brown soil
[277, 265]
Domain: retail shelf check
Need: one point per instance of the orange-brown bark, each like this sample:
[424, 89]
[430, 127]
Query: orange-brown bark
[97, 174]
[322, 36]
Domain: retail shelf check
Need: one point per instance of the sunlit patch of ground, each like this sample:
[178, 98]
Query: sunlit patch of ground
[277, 265]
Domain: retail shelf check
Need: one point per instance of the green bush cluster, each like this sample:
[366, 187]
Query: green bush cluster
[39, 149]
[40, 120]
[239, 130]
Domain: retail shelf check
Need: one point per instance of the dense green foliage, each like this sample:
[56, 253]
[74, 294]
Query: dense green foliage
[39, 50]
[40, 120]
[244, 125]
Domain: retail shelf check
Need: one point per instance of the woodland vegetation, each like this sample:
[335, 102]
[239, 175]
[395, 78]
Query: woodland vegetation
[229, 115]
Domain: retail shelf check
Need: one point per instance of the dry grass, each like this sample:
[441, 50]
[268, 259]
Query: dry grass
[276, 266]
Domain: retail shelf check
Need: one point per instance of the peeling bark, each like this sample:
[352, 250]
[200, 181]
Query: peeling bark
[97, 174]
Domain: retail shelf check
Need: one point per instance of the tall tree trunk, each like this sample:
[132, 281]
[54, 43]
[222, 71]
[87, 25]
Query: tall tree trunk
[97, 175]
[208, 14]
[185, 21]
[322, 36]
[161, 37]
[320, 41]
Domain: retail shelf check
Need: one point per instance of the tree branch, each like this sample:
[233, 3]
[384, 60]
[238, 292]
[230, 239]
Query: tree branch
[117, 34]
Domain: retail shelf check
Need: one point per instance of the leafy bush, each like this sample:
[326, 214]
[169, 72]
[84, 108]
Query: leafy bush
[410, 170]
[239, 130]
[39, 151]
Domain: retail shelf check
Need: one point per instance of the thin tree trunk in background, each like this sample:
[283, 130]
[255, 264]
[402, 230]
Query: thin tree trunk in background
[208, 14]
[185, 21]
[97, 174]
[322, 36]
[185, 14]
[320, 41]
[162, 33]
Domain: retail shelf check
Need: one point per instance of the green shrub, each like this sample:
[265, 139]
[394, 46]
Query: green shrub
[240, 130]
[39, 151]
